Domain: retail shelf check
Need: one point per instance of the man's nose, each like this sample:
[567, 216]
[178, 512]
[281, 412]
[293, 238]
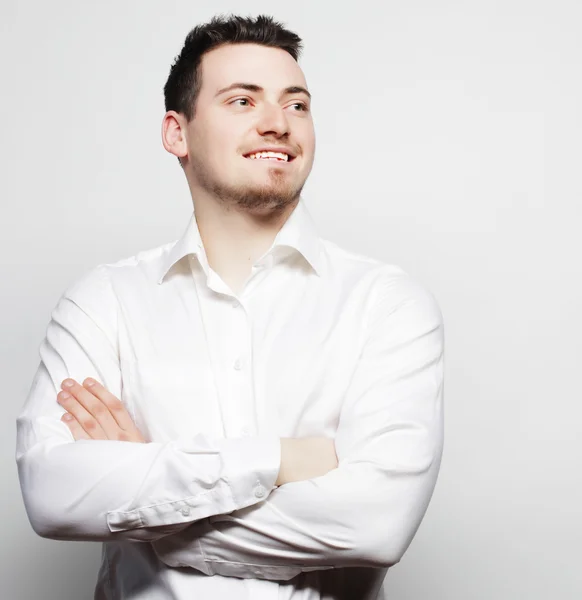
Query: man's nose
[273, 120]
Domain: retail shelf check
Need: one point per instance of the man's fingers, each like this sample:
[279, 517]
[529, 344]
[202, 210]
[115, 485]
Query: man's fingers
[78, 432]
[113, 404]
[86, 420]
[102, 419]
[99, 413]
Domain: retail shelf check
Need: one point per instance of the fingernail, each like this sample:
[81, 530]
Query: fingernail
[64, 395]
[67, 417]
[68, 383]
[89, 382]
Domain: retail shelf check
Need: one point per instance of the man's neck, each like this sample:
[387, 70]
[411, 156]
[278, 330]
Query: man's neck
[235, 239]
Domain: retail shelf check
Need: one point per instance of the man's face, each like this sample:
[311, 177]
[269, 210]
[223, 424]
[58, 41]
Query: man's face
[250, 100]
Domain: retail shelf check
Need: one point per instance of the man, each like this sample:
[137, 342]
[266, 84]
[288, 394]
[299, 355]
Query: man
[253, 411]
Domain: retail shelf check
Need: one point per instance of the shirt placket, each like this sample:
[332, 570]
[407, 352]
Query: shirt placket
[227, 333]
[235, 347]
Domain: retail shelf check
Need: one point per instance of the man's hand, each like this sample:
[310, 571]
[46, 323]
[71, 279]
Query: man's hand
[94, 413]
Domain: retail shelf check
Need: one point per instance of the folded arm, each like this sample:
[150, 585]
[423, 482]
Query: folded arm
[102, 490]
[389, 444]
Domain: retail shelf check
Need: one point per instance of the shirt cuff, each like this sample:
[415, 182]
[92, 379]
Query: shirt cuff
[250, 467]
[250, 486]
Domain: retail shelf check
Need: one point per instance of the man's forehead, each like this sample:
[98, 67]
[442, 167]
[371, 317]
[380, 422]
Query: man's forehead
[272, 69]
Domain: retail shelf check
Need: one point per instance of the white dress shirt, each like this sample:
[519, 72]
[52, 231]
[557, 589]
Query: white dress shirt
[320, 342]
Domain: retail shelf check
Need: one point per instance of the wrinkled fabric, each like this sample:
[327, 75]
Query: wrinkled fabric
[320, 342]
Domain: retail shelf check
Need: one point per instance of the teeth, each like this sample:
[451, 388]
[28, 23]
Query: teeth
[276, 155]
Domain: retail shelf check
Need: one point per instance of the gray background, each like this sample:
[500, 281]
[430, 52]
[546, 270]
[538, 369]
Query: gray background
[449, 143]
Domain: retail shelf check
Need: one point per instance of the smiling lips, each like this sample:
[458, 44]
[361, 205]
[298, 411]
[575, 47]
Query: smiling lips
[270, 155]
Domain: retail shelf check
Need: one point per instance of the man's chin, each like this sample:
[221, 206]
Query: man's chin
[265, 197]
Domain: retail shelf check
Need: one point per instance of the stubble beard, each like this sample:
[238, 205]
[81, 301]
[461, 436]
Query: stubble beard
[275, 196]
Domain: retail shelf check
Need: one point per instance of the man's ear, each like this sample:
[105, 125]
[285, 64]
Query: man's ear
[174, 135]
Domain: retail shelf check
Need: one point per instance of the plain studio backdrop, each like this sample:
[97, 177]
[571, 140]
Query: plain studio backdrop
[448, 142]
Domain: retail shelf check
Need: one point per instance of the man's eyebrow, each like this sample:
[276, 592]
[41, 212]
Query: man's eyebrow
[252, 87]
[296, 89]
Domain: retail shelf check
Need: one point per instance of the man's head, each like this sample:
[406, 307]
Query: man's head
[236, 89]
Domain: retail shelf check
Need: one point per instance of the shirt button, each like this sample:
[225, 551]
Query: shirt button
[260, 491]
[245, 432]
[185, 511]
[237, 364]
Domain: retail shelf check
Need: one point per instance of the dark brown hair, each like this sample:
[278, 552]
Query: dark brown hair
[184, 81]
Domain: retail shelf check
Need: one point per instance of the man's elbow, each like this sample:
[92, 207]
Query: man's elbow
[52, 513]
[50, 520]
[382, 539]
[380, 549]
[44, 521]
[41, 501]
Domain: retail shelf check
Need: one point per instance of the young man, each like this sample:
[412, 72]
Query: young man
[253, 412]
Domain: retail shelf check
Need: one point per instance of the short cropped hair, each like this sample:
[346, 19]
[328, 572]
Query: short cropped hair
[184, 81]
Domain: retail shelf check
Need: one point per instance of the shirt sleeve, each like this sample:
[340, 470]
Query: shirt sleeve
[102, 490]
[389, 444]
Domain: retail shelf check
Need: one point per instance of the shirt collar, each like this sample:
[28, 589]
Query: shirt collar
[297, 234]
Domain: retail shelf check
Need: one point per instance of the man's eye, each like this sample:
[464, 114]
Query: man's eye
[300, 106]
[239, 100]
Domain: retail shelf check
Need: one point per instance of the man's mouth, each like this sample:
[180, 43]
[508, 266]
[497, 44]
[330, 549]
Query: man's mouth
[270, 155]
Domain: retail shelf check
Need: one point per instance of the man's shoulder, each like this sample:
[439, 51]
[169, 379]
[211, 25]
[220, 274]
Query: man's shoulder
[388, 285]
[144, 260]
[143, 266]
[351, 264]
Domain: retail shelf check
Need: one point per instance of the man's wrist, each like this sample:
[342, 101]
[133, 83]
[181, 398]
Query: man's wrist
[286, 452]
[305, 458]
